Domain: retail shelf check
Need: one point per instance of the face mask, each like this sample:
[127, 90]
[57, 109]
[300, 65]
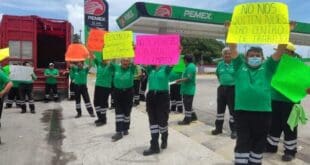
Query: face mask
[254, 61]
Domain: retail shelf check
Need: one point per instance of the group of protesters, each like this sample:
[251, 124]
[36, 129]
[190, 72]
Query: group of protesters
[258, 113]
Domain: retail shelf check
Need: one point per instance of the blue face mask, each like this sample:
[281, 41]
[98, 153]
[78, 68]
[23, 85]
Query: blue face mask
[255, 61]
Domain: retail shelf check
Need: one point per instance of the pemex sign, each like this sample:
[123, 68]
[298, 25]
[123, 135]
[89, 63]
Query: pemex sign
[96, 13]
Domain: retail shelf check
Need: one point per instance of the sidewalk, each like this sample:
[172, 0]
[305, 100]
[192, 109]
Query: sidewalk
[92, 145]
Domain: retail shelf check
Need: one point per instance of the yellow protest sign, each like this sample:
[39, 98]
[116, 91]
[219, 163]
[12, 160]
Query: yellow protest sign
[118, 45]
[260, 23]
[4, 53]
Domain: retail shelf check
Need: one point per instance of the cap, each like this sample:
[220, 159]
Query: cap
[290, 46]
[51, 64]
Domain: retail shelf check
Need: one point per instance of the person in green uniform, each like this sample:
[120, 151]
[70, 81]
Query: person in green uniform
[5, 86]
[225, 93]
[253, 101]
[157, 106]
[281, 110]
[72, 70]
[25, 90]
[137, 82]
[102, 89]
[188, 89]
[123, 95]
[51, 75]
[176, 103]
[13, 94]
[80, 81]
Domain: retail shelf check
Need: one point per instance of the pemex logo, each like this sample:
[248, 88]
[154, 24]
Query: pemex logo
[95, 7]
[164, 11]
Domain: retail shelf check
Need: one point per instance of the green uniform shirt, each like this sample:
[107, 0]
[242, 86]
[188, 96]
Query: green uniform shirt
[225, 73]
[104, 74]
[15, 84]
[4, 79]
[158, 79]
[123, 78]
[53, 72]
[175, 76]
[189, 87]
[138, 72]
[252, 86]
[275, 95]
[80, 77]
[6, 70]
[72, 71]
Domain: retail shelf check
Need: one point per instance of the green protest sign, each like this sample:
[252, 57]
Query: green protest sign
[180, 67]
[292, 78]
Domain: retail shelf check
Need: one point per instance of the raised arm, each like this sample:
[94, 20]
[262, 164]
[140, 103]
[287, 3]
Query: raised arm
[279, 52]
[233, 49]
[6, 89]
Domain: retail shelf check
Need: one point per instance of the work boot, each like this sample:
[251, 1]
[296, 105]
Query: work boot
[78, 115]
[33, 111]
[126, 133]
[8, 106]
[154, 149]
[270, 149]
[194, 117]
[23, 111]
[216, 132]
[101, 123]
[185, 121]
[173, 108]
[233, 135]
[287, 157]
[164, 140]
[117, 136]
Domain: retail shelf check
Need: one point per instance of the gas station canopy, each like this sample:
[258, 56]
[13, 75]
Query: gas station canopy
[160, 19]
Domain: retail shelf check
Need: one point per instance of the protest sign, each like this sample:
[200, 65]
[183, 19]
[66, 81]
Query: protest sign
[76, 52]
[21, 73]
[292, 78]
[180, 67]
[4, 53]
[259, 23]
[118, 45]
[157, 49]
[95, 40]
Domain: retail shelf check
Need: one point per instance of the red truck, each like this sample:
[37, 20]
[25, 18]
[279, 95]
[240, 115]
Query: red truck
[39, 41]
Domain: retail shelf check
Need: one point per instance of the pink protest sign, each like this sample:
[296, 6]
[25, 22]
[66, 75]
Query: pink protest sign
[157, 49]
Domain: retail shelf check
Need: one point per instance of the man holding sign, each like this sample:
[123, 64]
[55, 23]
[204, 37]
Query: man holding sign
[157, 106]
[281, 110]
[262, 23]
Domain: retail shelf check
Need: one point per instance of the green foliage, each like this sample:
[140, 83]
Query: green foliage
[204, 50]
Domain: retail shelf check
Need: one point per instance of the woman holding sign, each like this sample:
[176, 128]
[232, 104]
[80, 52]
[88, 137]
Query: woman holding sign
[123, 95]
[157, 106]
[281, 110]
[252, 101]
[25, 89]
[80, 80]
[102, 89]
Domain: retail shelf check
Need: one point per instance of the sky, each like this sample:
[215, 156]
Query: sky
[72, 10]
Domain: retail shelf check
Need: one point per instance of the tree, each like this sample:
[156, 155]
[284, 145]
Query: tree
[204, 50]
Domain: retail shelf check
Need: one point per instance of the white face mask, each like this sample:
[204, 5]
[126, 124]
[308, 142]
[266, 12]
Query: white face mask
[255, 61]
